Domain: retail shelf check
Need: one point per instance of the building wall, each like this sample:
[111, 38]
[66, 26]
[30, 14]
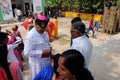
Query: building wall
[29, 5]
[38, 6]
[1, 17]
[6, 10]
[25, 6]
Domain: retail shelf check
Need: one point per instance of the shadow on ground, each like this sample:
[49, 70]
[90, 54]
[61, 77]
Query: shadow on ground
[105, 60]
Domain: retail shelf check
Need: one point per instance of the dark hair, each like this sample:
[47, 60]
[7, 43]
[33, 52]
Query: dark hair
[30, 27]
[16, 26]
[92, 15]
[39, 22]
[79, 26]
[75, 20]
[3, 36]
[55, 17]
[48, 19]
[3, 60]
[41, 12]
[3, 53]
[74, 62]
[55, 61]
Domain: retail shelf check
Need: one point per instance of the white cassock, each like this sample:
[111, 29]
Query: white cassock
[83, 45]
[34, 44]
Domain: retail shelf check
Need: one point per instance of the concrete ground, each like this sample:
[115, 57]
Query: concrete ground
[105, 57]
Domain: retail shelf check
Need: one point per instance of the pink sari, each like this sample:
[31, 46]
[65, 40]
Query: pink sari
[16, 52]
[16, 71]
[18, 57]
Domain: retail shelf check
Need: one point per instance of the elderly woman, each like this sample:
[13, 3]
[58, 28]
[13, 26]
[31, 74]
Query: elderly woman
[71, 66]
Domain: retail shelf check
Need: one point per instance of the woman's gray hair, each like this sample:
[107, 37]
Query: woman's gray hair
[79, 27]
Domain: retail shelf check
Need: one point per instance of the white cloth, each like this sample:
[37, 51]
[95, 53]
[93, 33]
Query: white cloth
[34, 44]
[84, 45]
[19, 13]
[15, 11]
[11, 56]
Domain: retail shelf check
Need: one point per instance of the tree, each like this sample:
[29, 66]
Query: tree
[86, 6]
[52, 3]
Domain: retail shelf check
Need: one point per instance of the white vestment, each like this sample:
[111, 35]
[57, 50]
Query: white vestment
[84, 45]
[34, 44]
[11, 56]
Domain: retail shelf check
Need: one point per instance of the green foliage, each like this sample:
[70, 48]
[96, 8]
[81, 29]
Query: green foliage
[70, 5]
[52, 3]
[118, 4]
[86, 6]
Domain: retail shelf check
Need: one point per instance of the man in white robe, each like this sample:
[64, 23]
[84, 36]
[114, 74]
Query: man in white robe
[37, 47]
[80, 41]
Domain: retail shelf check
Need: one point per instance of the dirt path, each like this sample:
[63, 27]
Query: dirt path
[63, 42]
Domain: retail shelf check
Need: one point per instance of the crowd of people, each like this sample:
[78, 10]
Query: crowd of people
[71, 64]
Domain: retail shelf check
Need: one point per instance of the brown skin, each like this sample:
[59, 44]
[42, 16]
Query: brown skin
[9, 32]
[41, 28]
[63, 71]
[74, 33]
[46, 53]
[14, 28]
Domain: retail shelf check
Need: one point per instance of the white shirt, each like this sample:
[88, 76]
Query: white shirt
[11, 56]
[84, 45]
[34, 44]
[19, 12]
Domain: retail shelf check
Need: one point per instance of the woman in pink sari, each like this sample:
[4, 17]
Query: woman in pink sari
[17, 50]
[16, 71]
[12, 49]
[8, 71]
